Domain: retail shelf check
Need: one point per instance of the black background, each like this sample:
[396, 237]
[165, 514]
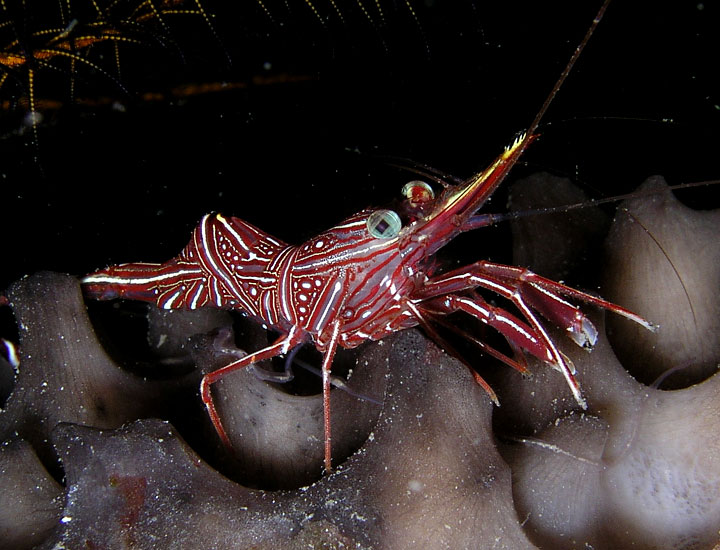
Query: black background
[298, 142]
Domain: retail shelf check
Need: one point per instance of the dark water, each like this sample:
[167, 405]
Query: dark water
[299, 141]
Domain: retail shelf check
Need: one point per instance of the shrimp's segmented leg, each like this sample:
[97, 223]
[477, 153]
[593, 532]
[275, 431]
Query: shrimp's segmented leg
[542, 294]
[280, 346]
[223, 344]
[328, 357]
[441, 306]
[529, 293]
[528, 337]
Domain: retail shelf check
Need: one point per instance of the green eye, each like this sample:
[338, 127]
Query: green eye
[384, 224]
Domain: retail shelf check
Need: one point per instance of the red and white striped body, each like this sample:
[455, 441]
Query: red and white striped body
[343, 272]
[361, 280]
[365, 278]
[228, 263]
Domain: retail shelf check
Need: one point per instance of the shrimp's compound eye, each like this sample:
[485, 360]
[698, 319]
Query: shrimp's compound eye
[384, 224]
[418, 192]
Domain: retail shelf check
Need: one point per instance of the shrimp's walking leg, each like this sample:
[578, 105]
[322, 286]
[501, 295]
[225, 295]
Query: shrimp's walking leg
[529, 293]
[326, 365]
[280, 346]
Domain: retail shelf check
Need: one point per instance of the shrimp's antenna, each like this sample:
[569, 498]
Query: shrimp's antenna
[563, 76]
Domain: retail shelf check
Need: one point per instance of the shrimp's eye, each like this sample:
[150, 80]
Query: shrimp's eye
[384, 224]
[418, 192]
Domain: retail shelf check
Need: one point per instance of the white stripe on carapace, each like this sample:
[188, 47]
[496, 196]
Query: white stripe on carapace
[168, 304]
[335, 258]
[327, 304]
[269, 314]
[124, 280]
[232, 231]
[348, 225]
[284, 273]
[258, 278]
[196, 296]
[251, 254]
[209, 254]
[216, 292]
[279, 258]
